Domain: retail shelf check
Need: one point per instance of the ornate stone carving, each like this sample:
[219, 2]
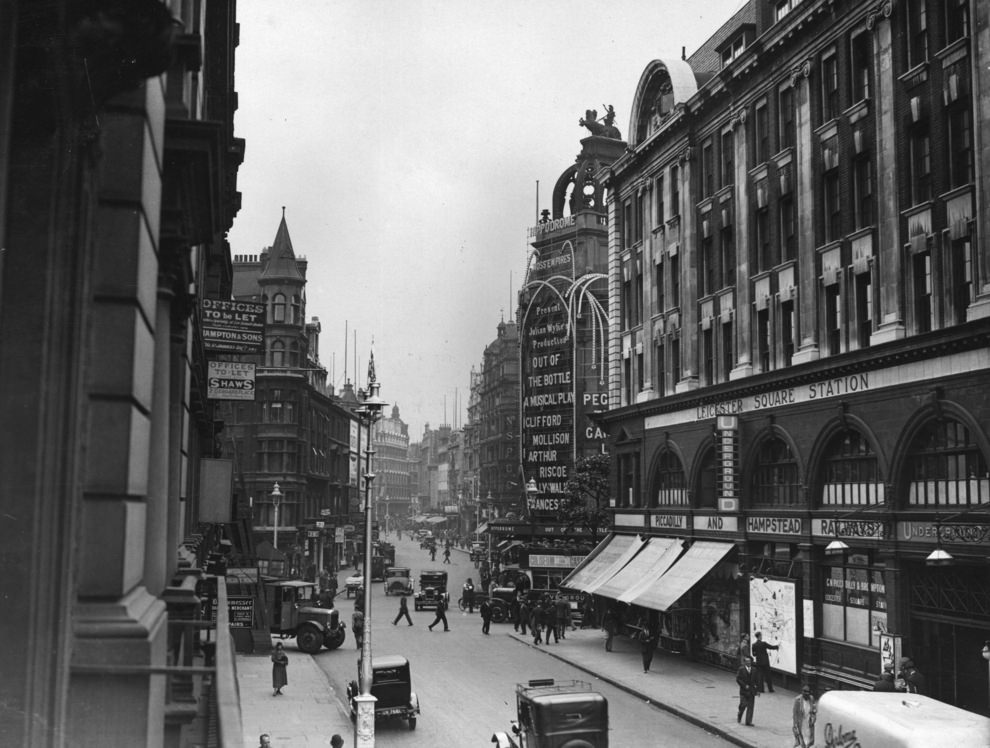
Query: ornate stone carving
[882, 10]
[606, 128]
[801, 70]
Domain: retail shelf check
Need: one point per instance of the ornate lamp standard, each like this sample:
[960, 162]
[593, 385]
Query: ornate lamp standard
[276, 498]
[370, 410]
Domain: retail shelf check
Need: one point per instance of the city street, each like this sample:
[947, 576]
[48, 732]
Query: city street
[466, 680]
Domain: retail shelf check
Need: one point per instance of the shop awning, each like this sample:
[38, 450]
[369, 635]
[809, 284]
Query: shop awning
[507, 545]
[657, 569]
[611, 555]
[642, 564]
[481, 529]
[435, 520]
[690, 568]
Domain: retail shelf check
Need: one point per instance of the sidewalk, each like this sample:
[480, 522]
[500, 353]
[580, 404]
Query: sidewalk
[307, 714]
[701, 694]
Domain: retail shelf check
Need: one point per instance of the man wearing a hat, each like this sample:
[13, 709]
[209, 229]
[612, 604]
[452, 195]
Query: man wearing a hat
[886, 682]
[911, 677]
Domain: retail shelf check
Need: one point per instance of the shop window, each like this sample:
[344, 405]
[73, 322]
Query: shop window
[669, 480]
[278, 308]
[775, 475]
[945, 467]
[850, 473]
[855, 600]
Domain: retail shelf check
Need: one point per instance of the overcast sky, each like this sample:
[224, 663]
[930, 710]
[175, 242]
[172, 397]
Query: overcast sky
[406, 139]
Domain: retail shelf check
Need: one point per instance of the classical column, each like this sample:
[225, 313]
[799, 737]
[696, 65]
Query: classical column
[743, 301]
[979, 53]
[689, 277]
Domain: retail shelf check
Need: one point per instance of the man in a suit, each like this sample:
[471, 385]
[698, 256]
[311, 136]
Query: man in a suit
[747, 680]
[762, 657]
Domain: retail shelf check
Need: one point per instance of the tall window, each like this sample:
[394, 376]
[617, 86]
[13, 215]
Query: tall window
[763, 338]
[675, 360]
[675, 191]
[628, 224]
[669, 480]
[863, 190]
[675, 280]
[788, 128]
[788, 227]
[640, 216]
[830, 88]
[945, 467]
[833, 319]
[728, 246]
[787, 331]
[956, 20]
[278, 308]
[296, 311]
[855, 601]
[658, 287]
[864, 308]
[861, 59]
[638, 293]
[707, 169]
[961, 258]
[924, 310]
[831, 196]
[728, 351]
[920, 177]
[278, 354]
[708, 353]
[960, 145]
[917, 21]
[762, 133]
[627, 298]
[661, 217]
[640, 372]
[728, 158]
[659, 372]
[850, 473]
[707, 266]
[775, 476]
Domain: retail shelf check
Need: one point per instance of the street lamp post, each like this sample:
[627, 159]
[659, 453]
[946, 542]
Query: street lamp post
[531, 492]
[986, 656]
[364, 734]
[276, 498]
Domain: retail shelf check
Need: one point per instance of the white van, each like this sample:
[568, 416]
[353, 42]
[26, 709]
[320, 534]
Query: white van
[868, 719]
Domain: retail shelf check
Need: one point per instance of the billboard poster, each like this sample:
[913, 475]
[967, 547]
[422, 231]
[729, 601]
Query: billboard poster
[230, 380]
[233, 326]
[773, 612]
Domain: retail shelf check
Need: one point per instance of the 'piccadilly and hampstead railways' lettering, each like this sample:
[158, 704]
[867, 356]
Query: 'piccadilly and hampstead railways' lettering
[779, 525]
[668, 520]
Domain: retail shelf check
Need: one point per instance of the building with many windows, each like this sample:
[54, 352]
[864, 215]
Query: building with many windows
[800, 319]
[390, 440]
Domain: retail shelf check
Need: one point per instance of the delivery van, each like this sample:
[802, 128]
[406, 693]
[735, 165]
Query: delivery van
[869, 719]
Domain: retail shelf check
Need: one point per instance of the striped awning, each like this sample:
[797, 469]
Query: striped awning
[690, 569]
[611, 555]
[644, 564]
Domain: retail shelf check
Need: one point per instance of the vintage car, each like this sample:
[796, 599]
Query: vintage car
[291, 612]
[392, 688]
[398, 581]
[557, 714]
[432, 589]
[478, 551]
[353, 583]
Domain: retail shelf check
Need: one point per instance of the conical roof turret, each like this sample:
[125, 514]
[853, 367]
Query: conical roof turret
[281, 259]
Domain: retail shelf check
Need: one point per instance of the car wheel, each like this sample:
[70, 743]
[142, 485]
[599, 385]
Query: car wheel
[412, 723]
[309, 640]
[498, 613]
[334, 639]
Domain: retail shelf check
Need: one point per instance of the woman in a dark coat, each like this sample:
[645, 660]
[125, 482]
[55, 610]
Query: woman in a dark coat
[280, 661]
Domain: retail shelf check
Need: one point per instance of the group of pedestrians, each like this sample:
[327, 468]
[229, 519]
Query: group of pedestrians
[545, 618]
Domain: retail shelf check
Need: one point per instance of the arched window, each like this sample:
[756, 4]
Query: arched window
[945, 467]
[706, 491]
[775, 476]
[278, 308]
[850, 473]
[278, 353]
[669, 480]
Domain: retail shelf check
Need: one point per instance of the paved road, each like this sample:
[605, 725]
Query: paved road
[466, 681]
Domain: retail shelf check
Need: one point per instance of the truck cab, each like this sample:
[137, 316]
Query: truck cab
[291, 613]
[557, 714]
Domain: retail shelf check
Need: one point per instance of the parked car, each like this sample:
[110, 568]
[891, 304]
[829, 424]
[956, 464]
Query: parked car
[557, 714]
[392, 688]
[291, 612]
[398, 581]
[353, 583]
[432, 589]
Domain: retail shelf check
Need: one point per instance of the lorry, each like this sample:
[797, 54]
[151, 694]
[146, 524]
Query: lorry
[896, 720]
[557, 714]
[432, 590]
[292, 613]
